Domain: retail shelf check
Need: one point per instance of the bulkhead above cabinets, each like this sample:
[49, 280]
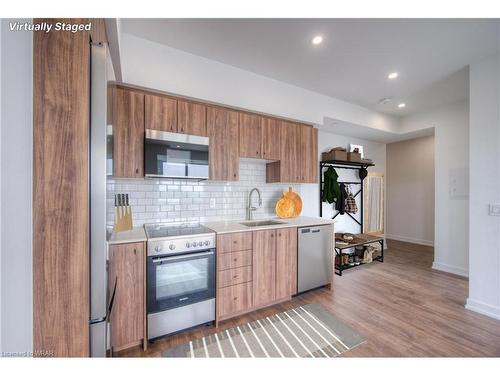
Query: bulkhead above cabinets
[290, 148]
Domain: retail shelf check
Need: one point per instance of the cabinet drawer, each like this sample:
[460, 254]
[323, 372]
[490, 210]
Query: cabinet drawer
[227, 243]
[233, 299]
[234, 260]
[235, 276]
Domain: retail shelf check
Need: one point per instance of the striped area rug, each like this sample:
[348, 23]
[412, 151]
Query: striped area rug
[306, 331]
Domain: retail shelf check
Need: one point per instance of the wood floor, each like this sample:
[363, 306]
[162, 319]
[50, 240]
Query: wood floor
[402, 307]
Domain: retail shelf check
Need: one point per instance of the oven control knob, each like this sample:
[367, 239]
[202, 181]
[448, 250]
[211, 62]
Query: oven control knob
[188, 245]
[200, 243]
[207, 243]
[171, 246]
[157, 249]
[194, 244]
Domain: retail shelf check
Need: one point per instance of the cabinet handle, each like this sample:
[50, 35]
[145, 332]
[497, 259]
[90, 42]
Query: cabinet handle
[235, 259]
[272, 234]
[235, 175]
[235, 276]
[135, 251]
[279, 234]
[235, 298]
[137, 170]
[235, 242]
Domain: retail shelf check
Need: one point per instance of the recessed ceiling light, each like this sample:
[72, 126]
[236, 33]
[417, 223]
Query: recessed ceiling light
[401, 105]
[317, 39]
[393, 75]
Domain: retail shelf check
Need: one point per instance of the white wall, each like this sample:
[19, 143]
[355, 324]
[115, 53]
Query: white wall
[484, 244]
[451, 142]
[16, 170]
[153, 65]
[410, 190]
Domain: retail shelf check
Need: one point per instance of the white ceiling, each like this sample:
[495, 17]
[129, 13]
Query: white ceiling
[352, 62]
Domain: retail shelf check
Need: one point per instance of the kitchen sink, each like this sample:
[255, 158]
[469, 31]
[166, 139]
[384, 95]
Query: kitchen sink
[262, 223]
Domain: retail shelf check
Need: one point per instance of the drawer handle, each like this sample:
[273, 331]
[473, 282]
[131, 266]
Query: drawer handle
[235, 298]
[235, 242]
[235, 259]
[235, 276]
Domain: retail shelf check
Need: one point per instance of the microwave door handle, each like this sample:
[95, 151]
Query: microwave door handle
[159, 260]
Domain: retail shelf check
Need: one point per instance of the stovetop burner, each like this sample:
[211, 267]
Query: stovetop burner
[171, 239]
[156, 231]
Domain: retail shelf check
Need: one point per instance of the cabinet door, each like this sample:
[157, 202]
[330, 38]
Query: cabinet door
[250, 135]
[161, 113]
[128, 133]
[191, 118]
[286, 262]
[308, 160]
[289, 154]
[270, 137]
[222, 129]
[264, 267]
[127, 264]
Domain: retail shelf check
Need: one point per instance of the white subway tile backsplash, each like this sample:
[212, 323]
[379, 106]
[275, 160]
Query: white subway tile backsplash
[163, 201]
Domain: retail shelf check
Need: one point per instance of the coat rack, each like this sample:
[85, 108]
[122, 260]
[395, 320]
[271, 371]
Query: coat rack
[342, 164]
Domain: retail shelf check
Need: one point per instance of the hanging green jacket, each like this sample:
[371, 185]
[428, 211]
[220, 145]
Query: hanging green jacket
[331, 188]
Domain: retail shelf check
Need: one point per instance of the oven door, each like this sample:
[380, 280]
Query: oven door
[175, 155]
[175, 281]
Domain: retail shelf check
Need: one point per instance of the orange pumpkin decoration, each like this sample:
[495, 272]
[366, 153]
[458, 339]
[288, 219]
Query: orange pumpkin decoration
[289, 205]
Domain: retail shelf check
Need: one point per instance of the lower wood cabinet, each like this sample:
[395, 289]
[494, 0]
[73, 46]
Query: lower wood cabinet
[264, 267]
[234, 299]
[127, 266]
[255, 269]
[286, 262]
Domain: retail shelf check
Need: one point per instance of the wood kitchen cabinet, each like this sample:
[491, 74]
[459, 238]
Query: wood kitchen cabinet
[191, 118]
[127, 266]
[264, 267]
[128, 132]
[250, 138]
[298, 155]
[222, 130]
[308, 161]
[270, 136]
[255, 269]
[160, 113]
[286, 263]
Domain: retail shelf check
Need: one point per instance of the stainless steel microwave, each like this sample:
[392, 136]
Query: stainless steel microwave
[175, 155]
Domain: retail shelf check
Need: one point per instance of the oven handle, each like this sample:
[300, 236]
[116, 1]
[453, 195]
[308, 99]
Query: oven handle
[187, 256]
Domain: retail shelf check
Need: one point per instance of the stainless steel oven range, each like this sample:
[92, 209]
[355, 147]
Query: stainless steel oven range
[180, 277]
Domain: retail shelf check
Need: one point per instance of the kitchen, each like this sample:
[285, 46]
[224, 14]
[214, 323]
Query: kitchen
[223, 238]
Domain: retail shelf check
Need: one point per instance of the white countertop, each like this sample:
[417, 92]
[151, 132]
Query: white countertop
[135, 235]
[220, 227]
[231, 226]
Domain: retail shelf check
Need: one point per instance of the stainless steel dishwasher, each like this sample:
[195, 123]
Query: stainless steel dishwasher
[314, 257]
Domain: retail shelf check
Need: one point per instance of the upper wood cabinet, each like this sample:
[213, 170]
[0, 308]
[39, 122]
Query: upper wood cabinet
[264, 267]
[270, 135]
[160, 113]
[250, 135]
[191, 118]
[127, 265]
[308, 162]
[222, 129]
[286, 262]
[298, 155]
[128, 132]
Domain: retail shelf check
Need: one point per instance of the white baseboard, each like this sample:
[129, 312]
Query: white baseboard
[460, 271]
[483, 308]
[409, 239]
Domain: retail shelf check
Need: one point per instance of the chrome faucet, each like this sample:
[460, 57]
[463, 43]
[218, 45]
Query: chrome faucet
[251, 208]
